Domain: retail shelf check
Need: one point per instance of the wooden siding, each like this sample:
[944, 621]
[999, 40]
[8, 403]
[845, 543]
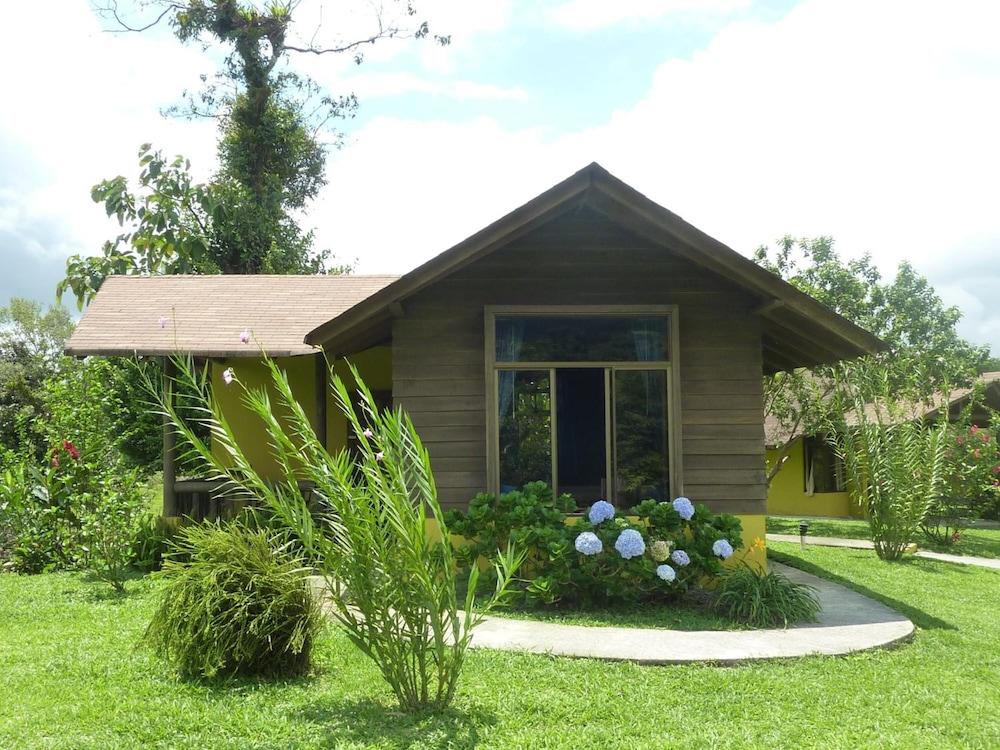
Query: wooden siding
[583, 259]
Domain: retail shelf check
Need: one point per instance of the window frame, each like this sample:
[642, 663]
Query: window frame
[671, 366]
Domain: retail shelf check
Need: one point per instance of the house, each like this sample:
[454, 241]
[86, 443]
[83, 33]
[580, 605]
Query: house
[590, 338]
[811, 482]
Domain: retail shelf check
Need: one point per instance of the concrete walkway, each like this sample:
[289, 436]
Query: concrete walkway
[830, 541]
[848, 622]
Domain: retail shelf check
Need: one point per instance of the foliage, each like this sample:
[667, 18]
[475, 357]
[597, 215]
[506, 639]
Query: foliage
[971, 481]
[112, 525]
[925, 351]
[765, 599]
[555, 571]
[31, 343]
[272, 161]
[236, 602]
[894, 463]
[392, 582]
[81, 507]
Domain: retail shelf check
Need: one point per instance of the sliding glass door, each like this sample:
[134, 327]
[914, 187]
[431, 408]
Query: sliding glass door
[582, 402]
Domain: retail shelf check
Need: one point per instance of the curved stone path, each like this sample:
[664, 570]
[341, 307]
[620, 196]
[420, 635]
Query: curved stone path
[848, 622]
[831, 541]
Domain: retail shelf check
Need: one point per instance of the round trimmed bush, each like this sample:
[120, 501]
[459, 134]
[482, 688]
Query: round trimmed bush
[237, 601]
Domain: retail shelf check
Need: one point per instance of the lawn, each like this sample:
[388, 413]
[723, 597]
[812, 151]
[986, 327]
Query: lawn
[690, 613]
[981, 542]
[72, 678]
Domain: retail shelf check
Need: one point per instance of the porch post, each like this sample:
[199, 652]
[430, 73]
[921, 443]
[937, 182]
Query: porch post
[321, 387]
[169, 445]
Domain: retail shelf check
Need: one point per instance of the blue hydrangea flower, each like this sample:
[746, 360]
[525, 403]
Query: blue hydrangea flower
[680, 557]
[629, 544]
[602, 510]
[722, 548]
[666, 573]
[684, 508]
[588, 543]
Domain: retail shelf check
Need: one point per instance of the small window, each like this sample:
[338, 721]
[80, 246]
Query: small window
[824, 469]
[582, 338]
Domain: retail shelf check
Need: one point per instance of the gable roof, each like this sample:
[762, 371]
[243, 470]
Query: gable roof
[206, 314]
[797, 329]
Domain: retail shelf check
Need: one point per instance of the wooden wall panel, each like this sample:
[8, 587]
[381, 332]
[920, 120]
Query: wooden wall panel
[577, 259]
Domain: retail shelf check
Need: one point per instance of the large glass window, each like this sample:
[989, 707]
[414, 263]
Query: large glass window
[588, 411]
[582, 338]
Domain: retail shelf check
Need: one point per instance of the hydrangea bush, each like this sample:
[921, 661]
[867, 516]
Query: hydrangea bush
[653, 551]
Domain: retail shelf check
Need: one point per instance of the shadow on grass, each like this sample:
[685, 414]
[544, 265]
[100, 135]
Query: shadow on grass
[919, 618]
[366, 721]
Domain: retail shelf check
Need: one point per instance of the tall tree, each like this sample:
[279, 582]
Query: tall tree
[31, 342]
[926, 354]
[272, 155]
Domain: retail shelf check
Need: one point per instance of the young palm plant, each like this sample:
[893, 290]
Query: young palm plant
[894, 461]
[391, 577]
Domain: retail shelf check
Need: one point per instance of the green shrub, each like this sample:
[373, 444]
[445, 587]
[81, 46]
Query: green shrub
[555, 570]
[392, 582]
[765, 599]
[894, 463]
[111, 526]
[77, 510]
[971, 471]
[236, 602]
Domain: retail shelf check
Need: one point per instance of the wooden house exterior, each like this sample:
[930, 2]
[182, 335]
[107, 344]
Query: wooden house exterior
[637, 341]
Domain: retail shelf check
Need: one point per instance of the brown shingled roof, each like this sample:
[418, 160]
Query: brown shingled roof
[206, 314]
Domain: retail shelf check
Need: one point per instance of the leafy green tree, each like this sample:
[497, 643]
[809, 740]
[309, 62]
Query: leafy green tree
[926, 354]
[31, 343]
[272, 159]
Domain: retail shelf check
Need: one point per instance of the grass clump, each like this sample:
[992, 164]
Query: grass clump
[236, 602]
[765, 599]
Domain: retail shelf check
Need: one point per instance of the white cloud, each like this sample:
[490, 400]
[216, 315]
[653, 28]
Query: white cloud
[73, 117]
[372, 85]
[874, 123]
[588, 15]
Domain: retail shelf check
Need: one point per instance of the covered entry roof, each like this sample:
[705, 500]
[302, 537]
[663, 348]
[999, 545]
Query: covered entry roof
[292, 315]
[797, 329]
[205, 315]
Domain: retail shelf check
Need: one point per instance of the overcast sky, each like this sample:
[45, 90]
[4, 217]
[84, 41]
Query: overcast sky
[875, 122]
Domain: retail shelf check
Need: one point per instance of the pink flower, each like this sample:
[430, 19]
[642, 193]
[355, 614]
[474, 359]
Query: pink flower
[977, 453]
[55, 459]
[368, 433]
[380, 456]
[975, 429]
[163, 321]
[960, 440]
[985, 436]
[71, 449]
[228, 376]
[245, 336]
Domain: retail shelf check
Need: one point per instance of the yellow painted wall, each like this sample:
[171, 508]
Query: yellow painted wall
[787, 494]
[375, 366]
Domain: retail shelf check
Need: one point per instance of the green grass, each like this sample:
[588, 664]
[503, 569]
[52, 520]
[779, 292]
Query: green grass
[71, 678]
[687, 614]
[977, 541]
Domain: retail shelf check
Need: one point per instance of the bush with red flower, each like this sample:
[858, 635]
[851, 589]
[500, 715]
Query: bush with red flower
[972, 483]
